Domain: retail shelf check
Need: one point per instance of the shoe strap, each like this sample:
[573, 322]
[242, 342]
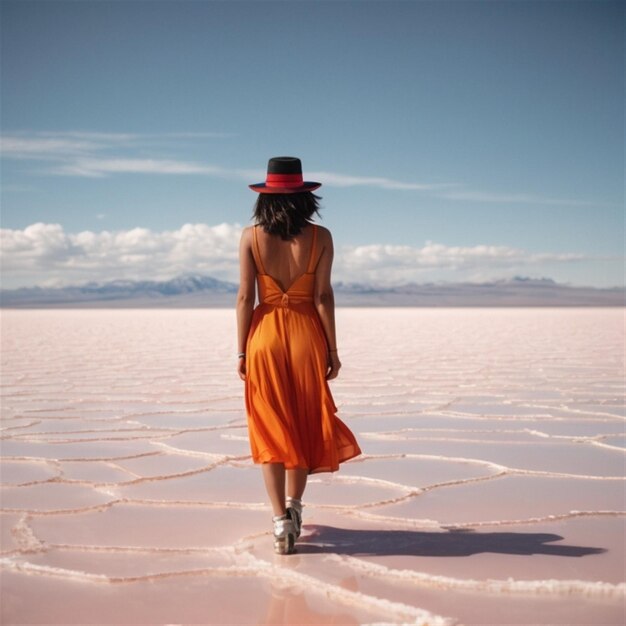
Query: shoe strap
[294, 503]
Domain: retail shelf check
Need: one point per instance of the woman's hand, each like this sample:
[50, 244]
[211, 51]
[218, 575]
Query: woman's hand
[241, 368]
[333, 365]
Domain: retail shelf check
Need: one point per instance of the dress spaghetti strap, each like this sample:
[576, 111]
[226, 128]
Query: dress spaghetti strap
[256, 253]
[312, 257]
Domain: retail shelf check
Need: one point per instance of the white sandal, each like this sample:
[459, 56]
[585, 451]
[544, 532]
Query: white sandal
[294, 510]
[284, 534]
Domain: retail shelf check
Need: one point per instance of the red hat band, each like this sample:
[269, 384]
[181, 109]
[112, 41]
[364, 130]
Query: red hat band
[284, 180]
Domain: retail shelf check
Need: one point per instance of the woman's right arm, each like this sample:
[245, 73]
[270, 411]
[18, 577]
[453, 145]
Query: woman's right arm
[324, 299]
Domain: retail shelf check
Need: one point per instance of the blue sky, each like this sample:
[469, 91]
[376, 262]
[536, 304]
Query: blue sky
[456, 141]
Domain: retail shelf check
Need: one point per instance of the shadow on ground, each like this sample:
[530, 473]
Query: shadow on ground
[332, 540]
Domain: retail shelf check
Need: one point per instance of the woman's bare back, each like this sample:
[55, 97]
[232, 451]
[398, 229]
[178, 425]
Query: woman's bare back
[286, 261]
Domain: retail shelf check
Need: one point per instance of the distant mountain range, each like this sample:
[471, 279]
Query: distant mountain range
[193, 290]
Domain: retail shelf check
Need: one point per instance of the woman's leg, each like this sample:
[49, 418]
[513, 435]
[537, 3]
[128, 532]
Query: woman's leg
[296, 482]
[274, 476]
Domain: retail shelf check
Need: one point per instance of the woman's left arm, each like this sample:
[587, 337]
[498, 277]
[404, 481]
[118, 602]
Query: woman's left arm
[245, 297]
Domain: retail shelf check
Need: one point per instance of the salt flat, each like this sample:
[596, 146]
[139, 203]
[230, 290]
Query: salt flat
[490, 489]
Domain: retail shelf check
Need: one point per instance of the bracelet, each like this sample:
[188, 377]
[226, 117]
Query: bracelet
[241, 355]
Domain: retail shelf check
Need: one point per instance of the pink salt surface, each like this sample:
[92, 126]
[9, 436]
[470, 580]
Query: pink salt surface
[119, 565]
[210, 441]
[95, 471]
[50, 496]
[7, 522]
[58, 426]
[15, 472]
[162, 464]
[150, 526]
[92, 542]
[618, 440]
[521, 496]
[570, 426]
[202, 419]
[545, 456]
[176, 600]
[222, 483]
[78, 450]
[414, 472]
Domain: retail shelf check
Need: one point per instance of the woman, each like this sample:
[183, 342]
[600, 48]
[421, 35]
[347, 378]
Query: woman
[287, 344]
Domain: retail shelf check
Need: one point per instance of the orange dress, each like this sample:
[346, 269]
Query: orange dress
[291, 412]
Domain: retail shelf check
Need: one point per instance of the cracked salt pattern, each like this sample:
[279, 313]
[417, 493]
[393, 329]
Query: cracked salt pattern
[490, 489]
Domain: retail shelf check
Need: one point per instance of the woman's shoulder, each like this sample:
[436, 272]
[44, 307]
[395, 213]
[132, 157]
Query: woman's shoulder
[247, 234]
[247, 231]
[322, 231]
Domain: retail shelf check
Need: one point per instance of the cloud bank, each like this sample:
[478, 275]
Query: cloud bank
[45, 255]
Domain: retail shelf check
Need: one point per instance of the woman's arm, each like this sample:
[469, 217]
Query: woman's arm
[245, 297]
[324, 299]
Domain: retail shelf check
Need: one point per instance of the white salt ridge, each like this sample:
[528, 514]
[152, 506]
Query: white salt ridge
[364, 480]
[500, 469]
[235, 437]
[405, 522]
[152, 432]
[537, 587]
[401, 433]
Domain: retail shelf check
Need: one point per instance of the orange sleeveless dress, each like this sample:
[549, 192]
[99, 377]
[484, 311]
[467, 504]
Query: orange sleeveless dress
[291, 412]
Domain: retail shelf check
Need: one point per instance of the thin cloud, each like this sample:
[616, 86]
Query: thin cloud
[104, 167]
[80, 153]
[45, 147]
[508, 198]
[41, 253]
[113, 137]
[61, 145]
[88, 154]
[345, 180]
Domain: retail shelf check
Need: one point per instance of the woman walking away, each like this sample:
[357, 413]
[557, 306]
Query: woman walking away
[287, 344]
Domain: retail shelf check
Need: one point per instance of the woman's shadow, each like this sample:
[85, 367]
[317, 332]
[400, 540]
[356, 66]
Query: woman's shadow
[455, 542]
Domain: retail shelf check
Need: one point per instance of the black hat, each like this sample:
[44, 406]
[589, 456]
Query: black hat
[284, 175]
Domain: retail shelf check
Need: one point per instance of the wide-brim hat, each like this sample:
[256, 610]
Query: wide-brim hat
[284, 175]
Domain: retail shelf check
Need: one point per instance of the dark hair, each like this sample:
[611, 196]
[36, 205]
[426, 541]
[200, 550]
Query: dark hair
[285, 214]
